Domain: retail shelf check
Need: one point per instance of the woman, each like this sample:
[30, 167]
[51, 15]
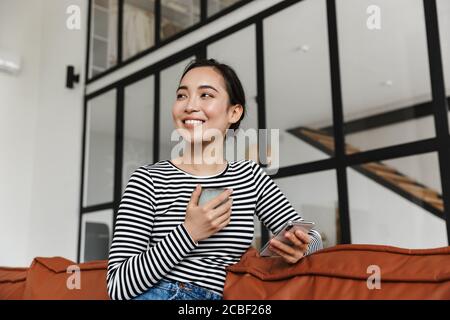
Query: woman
[167, 246]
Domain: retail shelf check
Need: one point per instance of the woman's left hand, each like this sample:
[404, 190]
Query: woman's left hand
[291, 254]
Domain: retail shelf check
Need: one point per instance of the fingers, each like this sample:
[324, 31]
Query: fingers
[224, 219]
[302, 236]
[298, 239]
[222, 209]
[212, 204]
[196, 195]
[282, 247]
[291, 254]
[293, 239]
[286, 257]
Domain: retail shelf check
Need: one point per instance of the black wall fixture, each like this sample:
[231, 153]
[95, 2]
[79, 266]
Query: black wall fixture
[71, 77]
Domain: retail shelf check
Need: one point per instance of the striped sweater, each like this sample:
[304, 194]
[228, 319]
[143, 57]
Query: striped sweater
[151, 243]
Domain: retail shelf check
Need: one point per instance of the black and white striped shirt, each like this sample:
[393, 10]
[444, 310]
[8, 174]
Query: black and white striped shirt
[151, 243]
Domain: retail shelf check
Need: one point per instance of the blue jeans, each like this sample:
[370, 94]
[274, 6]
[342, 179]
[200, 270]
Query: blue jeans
[175, 290]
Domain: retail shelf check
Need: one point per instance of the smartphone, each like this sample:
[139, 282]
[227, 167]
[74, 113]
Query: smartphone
[292, 226]
[209, 194]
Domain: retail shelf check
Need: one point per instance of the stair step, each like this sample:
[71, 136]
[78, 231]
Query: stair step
[378, 166]
[329, 144]
[418, 191]
[316, 136]
[388, 173]
[349, 149]
[393, 176]
[440, 207]
[433, 200]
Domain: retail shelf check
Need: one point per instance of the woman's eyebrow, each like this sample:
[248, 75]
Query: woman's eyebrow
[205, 86]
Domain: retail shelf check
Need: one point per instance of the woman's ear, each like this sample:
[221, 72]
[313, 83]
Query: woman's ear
[236, 113]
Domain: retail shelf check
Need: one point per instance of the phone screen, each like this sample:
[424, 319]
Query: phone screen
[210, 193]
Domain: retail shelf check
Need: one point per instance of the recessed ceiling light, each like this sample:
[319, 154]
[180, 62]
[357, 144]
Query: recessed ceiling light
[9, 61]
[303, 48]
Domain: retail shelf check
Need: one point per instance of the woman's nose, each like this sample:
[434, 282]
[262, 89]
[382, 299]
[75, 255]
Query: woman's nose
[191, 106]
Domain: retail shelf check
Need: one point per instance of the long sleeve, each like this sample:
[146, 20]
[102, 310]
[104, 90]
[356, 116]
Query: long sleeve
[274, 209]
[132, 267]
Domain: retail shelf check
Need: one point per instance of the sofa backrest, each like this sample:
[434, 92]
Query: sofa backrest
[12, 283]
[55, 278]
[343, 272]
[340, 272]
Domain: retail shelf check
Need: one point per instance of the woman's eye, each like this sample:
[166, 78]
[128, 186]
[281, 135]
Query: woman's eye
[179, 96]
[206, 94]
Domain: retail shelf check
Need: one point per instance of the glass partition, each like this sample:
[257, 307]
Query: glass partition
[178, 15]
[99, 149]
[96, 235]
[103, 37]
[386, 88]
[138, 33]
[314, 197]
[398, 202]
[297, 78]
[215, 6]
[138, 126]
[443, 8]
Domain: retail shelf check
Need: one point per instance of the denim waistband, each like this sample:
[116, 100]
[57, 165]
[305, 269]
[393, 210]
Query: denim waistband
[195, 289]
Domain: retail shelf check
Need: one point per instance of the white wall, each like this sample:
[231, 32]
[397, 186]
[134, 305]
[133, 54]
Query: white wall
[18, 114]
[40, 130]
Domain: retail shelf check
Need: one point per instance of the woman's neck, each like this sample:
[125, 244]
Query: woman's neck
[202, 159]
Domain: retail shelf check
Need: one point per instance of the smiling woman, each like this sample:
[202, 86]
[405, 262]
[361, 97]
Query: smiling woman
[166, 245]
[211, 99]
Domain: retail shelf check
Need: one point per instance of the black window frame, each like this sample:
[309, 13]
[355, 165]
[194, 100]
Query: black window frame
[159, 43]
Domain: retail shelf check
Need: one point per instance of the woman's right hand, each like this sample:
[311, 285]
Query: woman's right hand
[203, 221]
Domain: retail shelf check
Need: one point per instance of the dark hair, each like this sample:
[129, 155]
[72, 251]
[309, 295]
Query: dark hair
[233, 84]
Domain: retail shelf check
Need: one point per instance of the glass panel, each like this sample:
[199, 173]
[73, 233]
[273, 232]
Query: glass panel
[359, 138]
[138, 126]
[384, 72]
[99, 149]
[170, 79]
[297, 77]
[314, 197]
[104, 24]
[96, 235]
[178, 15]
[443, 7]
[243, 62]
[215, 6]
[138, 26]
[397, 202]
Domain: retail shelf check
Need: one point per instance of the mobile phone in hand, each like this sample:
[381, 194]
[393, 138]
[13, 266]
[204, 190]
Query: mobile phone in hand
[292, 226]
[210, 193]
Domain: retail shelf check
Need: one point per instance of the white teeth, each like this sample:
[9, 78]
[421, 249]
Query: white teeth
[193, 121]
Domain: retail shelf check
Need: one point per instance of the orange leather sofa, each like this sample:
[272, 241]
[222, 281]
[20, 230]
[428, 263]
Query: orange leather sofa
[340, 272]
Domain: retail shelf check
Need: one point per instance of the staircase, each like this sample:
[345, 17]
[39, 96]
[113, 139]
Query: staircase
[387, 176]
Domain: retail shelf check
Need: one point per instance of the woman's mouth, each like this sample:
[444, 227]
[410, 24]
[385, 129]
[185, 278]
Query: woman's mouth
[192, 123]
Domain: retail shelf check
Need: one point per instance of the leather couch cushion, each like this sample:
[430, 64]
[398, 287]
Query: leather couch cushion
[12, 283]
[48, 277]
[341, 272]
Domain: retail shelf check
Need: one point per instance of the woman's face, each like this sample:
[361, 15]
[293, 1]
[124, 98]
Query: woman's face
[202, 100]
